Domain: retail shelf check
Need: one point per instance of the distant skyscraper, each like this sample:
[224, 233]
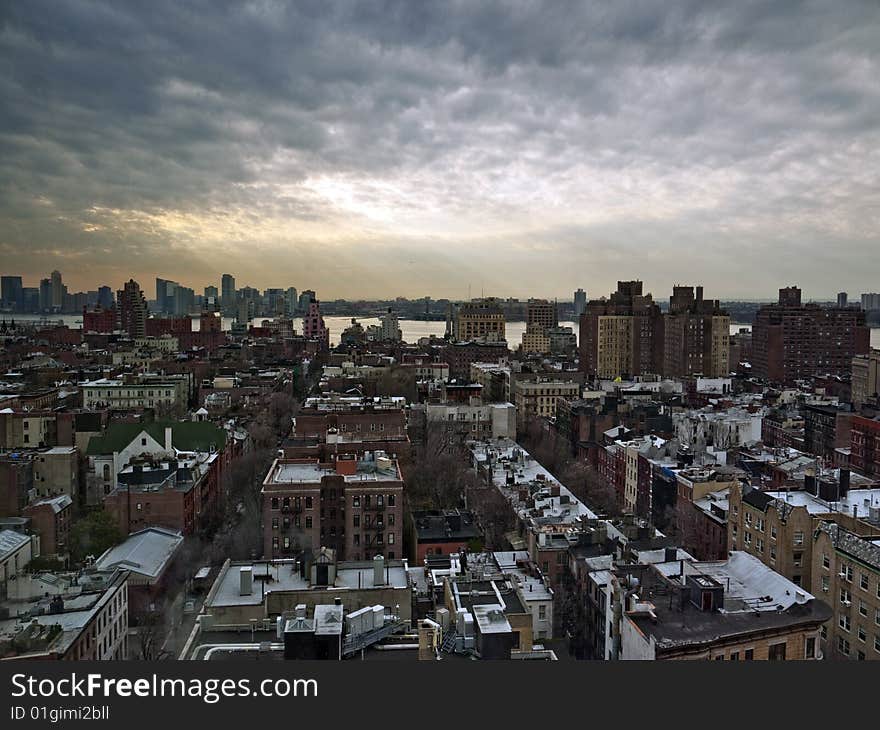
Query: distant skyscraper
[870, 301]
[58, 291]
[290, 301]
[11, 293]
[227, 293]
[841, 299]
[132, 309]
[105, 297]
[45, 295]
[580, 302]
[306, 298]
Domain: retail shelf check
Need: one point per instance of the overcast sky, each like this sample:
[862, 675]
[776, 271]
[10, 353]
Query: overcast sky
[382, 149]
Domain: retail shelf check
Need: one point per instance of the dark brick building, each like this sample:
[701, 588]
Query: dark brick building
[793, 341]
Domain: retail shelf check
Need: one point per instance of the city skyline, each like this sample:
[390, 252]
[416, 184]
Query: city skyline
[414, 151]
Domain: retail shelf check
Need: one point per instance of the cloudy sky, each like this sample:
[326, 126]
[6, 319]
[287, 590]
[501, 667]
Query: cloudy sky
[401, 148]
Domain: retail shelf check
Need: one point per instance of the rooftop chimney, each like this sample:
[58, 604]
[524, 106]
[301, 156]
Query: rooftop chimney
[246, 578]
[379, 570]
[168, 446]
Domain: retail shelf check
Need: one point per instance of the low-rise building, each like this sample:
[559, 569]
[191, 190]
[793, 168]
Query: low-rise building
[51, 518]
[442, 532]
[82, 617]
[536, 399]
[148, 556]
[353, 505]
[737, 609]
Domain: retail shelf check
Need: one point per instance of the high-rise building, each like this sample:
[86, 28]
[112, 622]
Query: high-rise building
[166, 295]
[306, 298]
[871, 301]
[11, 293]
[389, 327]
[227, 294]
[45, 295]
[58, 291]
[132, 309]
[313, 325]
[105, 297]
[211, 299]
[580, 302]
[479, 320]
[792, 341]
[842, 299]
[620, 336]
[696, 335]
[274, 302]
[290, 301]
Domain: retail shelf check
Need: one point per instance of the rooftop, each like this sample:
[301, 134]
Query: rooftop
[10, 541]
[284, 575]
[147, 553]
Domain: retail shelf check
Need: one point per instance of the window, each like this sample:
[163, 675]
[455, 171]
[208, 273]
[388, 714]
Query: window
[143, 442]
[810, 648]
[308, 523]
[734, 656]
[798, 560]
[759, 545]
[390, 538]
[356, 501]
[844, 622]
[286, 543]
[826, 562]
[773, 532]
[274, 523]
[748, 538]
[750, 654]
[390, 500]
[843, 645]
[825, 582]
[776, 652]
[863, 581]
[356, 520]
[877, 642]
[845, 596]
[863, 608]
[308, 502]
[846, 573]
[357, 539]
[863, 635]
[749, 518]
[799, 537]
[760, 524]
[542, 612]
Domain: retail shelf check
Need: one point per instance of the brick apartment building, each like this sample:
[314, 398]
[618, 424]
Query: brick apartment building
[51, 519]
[618, 334]
[826, 428]
[793, 341]
[865, 445]
[354, 506]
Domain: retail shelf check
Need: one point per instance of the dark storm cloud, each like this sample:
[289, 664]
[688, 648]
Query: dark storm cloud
[601, 140]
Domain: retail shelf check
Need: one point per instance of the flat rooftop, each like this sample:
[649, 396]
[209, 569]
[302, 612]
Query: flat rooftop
[283, 575]
[294, 472]
[855, 503]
